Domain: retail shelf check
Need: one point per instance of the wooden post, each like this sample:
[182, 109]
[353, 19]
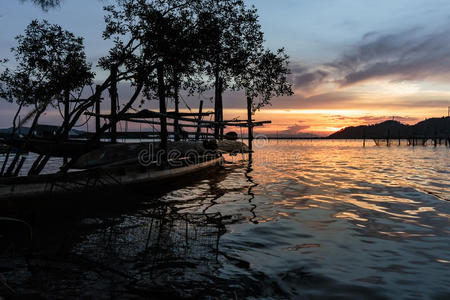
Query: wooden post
[9, 152]
[35, 164]
[250, 125]
[435, 136]
[11, 167]
[162, 110]
[16, 172]
[113, 94]
[221, 127]
[66, 111]
[197, 134]
[177, 109]
[97, 111]
[66, 116]
[41, 165]
[364, 136]
[388, 138]
[218, 107]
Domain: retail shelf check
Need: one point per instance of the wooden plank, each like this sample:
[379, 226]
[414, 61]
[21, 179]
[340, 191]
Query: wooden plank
[197, 134]
[153, 114]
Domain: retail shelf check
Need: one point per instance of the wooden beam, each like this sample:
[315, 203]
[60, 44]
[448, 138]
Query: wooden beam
[154, 114]
[197, 134]
[97, 109]
[249, 123]
[168, 124]
[184, 114]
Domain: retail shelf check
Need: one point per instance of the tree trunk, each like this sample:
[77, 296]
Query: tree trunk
[177, 109]
[221, 108]
[113, 94]
[66, 117]
[97, 109]
[162, 110]
[197, 134]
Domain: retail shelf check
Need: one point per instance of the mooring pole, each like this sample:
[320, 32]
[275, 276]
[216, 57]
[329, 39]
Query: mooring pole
[218, 105]
[176, 126]
[66, 111]
[97, 110]
[221, 108]
[250, 125]
[197, 134]
[113, 94]
[66, 116]
[9, 152]
[364, 137]
[162, 110]
[388, 138]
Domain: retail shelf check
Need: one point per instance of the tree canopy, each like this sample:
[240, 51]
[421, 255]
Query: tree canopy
[49, 61]
[159, 47]
[45, 4]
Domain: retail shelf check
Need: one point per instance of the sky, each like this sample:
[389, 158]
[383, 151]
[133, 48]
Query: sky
[352, 61]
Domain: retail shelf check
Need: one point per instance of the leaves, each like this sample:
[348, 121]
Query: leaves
[265, 77]
[46, 4]
[49, 61]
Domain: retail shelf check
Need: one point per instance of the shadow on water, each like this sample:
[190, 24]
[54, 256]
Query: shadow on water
[252, 185]
[120, 245]
[136, 243]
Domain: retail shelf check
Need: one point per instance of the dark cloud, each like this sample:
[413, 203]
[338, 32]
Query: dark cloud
[408, 55]
[309, 80]
[306, 77]
[412, 54]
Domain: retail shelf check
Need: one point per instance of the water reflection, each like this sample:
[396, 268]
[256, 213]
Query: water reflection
[251, 186]
[157, 249]
[304, 219]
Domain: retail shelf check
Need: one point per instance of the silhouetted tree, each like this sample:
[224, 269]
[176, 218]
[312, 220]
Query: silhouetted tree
[45, 4]
[50, 61]
[230, 34]
[264, 77]
[161, 47]
[50, 64]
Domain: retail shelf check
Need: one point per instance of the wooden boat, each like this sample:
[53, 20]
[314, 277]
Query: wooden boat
[103, 178]
[61, 148]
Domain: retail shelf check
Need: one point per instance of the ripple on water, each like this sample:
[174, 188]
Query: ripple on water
[308, 219]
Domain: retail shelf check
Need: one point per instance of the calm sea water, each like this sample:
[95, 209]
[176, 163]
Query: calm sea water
[305, 220]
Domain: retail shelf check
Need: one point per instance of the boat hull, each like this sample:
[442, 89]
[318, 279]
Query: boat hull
[96, 180]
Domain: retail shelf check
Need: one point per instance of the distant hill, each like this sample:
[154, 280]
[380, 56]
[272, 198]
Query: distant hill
[394, 129]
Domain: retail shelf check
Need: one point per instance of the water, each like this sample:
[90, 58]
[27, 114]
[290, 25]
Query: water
[307, 219]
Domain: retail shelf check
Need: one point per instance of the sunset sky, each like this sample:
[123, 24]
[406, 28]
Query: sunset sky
[352, 61]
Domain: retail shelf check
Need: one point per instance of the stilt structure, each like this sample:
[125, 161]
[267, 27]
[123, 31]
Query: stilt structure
[250, 123]
[162, 110]
[199, 129]
[97, 109]
[113, 95]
